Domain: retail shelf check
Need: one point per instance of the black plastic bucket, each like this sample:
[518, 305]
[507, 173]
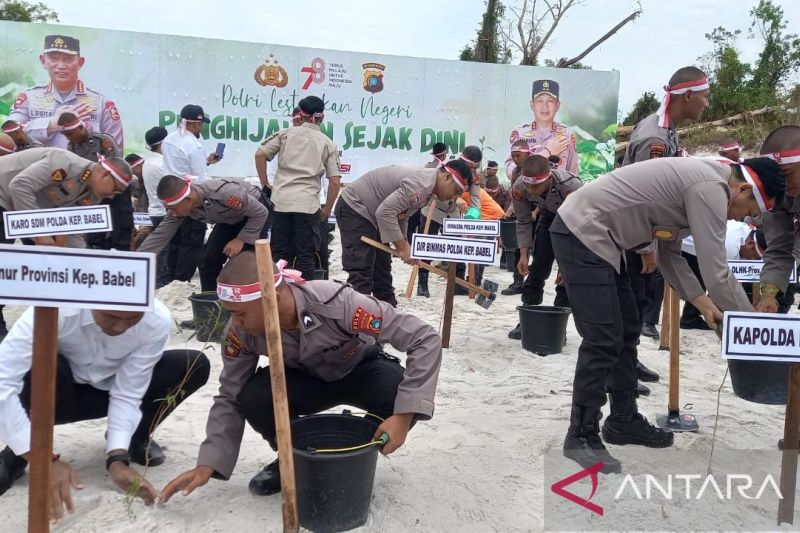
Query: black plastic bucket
[210, 317]
[543, 328]
[760, 381]
[334, 490]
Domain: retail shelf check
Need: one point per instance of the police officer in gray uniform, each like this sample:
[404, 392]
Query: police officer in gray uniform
[17, 132]
[235, 207]
[659, 201]
[376, 205]
[781, 226]
[93, 145]
[544, 187]
[332, 337]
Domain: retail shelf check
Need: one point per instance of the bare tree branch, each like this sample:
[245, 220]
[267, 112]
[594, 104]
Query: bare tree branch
[561, 10]
[564, 62]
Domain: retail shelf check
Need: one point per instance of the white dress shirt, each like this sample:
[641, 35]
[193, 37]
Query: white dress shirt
[152, 172]
[184, 155]
[736, 234]
[122, 365]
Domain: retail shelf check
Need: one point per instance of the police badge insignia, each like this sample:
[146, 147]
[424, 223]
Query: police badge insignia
[112, 110]
[373, 77]
[517, 194]
[85, 176]
[657, 150]
[234, 202]
[233, 344]
[415, 199]
[58, 175]
[365, 321]
[20, 101]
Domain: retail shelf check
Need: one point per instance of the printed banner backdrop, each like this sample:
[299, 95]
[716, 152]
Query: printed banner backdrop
[380, 110]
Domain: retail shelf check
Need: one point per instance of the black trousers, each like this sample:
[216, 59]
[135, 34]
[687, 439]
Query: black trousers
[214, 258]
[369, 269]
[690, 312]
[294, 238]
[414, 225]
[542, 267]
[161, 259]
[121, 221]
[648, 288]
[371, 386]
[185, 250]
[79, 401]
[605, 313]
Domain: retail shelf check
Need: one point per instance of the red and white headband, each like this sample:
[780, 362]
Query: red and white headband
[524, 149]
[467, 159]
[784, 157]
[729, 147]
[252, 291]
[760, 194]
[137, 163]
[74, 125]
[492, 190]
[181, 195]
[113, 170]
[460, 181]
[535, 180]
[315, 115]
[11, 128]
[437, 154]
[7, 150]
[679, 88]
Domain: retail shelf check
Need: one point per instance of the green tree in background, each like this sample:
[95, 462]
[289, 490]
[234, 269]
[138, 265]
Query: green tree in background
[20, 11]
[737, 86]
[647, 104]
[487, 46]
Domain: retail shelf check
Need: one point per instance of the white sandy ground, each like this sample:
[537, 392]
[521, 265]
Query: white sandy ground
[476, 466]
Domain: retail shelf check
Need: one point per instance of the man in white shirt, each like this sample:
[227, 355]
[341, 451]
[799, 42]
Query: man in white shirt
[184, 155]
[110, 363]
[152, 172]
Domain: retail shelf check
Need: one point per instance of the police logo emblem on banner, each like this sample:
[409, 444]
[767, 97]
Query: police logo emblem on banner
[271, 73]
[373, 77]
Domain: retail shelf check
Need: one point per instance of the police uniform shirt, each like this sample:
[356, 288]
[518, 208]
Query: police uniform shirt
[305, 155]
[450, 209]
[41, 178]
[782, 231]
[184, 156]
[537, 140]
[631, 206]
[562, 184]
[96, 143]
[37, 105]
[336, 325]
[29, 143]
[651, 141]
[224, 202]
[152, 172]
[122, 365]
[382, 194]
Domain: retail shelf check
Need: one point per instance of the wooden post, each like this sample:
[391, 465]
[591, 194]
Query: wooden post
[448, 303]
[42, 415]
[666, 318]
[674, 351]
[789, 460]
[473, 278]
[280, 402]
[412, 280]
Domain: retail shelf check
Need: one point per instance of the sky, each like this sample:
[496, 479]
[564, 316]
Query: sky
[668, 35]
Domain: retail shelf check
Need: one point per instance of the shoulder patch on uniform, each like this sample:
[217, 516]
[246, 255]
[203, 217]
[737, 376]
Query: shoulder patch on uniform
[108, 146]
[111, 107]
[517, 194]
[415, 199]
[20, 101]
[232, 344]
[85, 176]
[234, 202]
[657, 150]
[365, 321]
[514, 137]
[58, 175]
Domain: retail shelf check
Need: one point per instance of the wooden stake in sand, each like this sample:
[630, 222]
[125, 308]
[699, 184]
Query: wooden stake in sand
[412, 280]
[280, 401]
[666, 319]
[449, 293]
[789, 459]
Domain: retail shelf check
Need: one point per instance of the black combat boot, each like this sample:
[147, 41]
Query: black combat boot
[626, 426]
[422, 284]
[583, 444]
[266, 482]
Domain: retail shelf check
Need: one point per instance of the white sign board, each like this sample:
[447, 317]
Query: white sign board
[434, 247]
[142, 219]
[750, 270]
[72, 277]
[761, 336]
[58, 221]
[462, 226]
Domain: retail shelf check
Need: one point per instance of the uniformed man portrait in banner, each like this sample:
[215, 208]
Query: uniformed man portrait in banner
[546, 136]
[41, 106]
